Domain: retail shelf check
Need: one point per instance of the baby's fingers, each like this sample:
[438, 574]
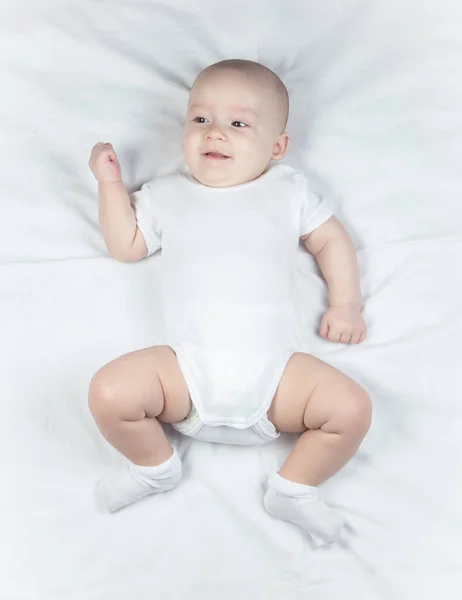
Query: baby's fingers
[358, 337]
[102, 147]
[324, 329]
[355, 337]
[98, 147]
[345, 338]
[334, 334]
[363, 336]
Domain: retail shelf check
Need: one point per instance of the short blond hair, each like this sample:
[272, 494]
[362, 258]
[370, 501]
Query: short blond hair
[255, 69]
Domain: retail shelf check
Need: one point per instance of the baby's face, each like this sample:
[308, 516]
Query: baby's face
[231, 131]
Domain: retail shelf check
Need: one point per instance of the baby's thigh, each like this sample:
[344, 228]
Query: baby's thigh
[146, 382]
[310, 394]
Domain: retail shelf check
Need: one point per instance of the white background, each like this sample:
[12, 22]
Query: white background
[376, 91]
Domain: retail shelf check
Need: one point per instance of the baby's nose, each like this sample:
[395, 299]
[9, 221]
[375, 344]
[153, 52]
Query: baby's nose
[214, 132]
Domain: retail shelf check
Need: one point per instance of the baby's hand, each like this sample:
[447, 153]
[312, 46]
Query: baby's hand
[104, 164]
[344, 324]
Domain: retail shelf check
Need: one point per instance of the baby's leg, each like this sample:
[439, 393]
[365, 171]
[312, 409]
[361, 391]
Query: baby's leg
[127, 398]
[334, 414]
[333, 411]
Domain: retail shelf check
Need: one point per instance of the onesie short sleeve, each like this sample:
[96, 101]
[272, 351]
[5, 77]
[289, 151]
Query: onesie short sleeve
[147, 220]
[315, 209]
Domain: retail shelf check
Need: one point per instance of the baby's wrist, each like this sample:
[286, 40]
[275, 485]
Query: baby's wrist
[109, 183]
[349, 304]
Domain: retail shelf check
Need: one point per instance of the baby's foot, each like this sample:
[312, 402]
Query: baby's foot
[299, 504]
[120, 488]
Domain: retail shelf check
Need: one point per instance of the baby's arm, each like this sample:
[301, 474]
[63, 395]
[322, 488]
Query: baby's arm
[117, 218]
[336, 256]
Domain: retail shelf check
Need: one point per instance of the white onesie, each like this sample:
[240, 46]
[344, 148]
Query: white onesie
[228, 271]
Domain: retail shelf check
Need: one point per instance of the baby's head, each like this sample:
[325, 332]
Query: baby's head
[235, 123]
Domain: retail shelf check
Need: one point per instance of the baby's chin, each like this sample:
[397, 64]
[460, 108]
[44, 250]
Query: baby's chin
[222, 179]
[217, 182]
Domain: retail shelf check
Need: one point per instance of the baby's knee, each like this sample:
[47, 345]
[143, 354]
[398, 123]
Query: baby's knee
[103, 396]
[354, 417]
[359, 411]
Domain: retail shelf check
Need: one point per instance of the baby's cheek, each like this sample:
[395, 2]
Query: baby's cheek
[189, 147]
[253, 150]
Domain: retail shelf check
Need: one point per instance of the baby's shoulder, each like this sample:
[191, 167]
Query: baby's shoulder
[161, 184]
[292, 179]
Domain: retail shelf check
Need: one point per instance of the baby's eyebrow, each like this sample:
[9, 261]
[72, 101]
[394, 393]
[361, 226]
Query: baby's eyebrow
[196, 106]
[245, 111]
[239, 109]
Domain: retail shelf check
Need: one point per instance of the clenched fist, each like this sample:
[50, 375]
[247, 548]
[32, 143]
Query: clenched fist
[344, 324]
[104, 163]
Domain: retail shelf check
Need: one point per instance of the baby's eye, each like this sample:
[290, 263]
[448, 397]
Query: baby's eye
[200, 120]
[239, 124]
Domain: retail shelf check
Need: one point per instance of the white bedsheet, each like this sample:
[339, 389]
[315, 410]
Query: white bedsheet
[376, 93]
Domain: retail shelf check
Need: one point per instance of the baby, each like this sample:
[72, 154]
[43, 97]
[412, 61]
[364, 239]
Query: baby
[232, 370]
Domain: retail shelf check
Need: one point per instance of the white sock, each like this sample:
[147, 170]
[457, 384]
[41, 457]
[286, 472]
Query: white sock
[120, 488]
[299, 504]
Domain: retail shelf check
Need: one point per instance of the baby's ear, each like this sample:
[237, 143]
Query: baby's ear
[280, 146]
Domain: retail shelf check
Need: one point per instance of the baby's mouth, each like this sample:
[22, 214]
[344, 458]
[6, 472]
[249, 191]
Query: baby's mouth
[215, 155]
